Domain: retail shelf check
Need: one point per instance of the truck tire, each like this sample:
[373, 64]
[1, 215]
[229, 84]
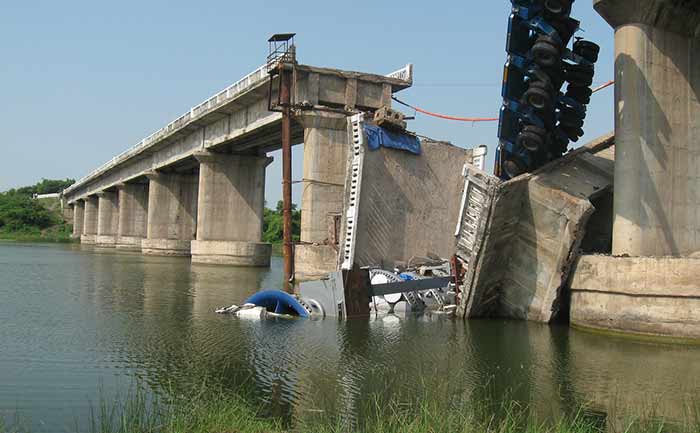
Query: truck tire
[558, 8]
[580, 75]
[538, 96]
[580, 93]
[587, 49]
[545, 53]
[572, 132]
[532, 138]
[514, 167]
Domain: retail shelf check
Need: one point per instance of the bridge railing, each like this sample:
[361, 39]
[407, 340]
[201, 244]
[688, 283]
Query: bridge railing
[232, 91]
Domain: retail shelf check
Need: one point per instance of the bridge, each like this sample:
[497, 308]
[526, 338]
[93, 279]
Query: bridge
[196, 186]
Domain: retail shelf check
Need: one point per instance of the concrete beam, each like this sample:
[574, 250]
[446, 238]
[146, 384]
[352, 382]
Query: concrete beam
[643, 295]
[326, 144]
[657, 100]
[677, 16]
[78, 218]
[107, 219]
[90, 222]
[133, 215]
[230, 206]
[172, 214]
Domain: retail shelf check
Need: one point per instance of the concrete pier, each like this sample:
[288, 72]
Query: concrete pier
[78, 218]
[326, 145]
[230, 210]
[172, 214]
[107, 219]
[90, 221]
[133, 215]
[657, 100]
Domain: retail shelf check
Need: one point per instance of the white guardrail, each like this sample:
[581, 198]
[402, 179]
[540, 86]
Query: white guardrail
[232, 91]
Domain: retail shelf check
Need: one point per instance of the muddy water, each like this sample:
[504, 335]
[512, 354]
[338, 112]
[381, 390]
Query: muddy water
[77, 324]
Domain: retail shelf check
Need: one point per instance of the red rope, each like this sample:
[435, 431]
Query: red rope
[476, 119]
[443, 116]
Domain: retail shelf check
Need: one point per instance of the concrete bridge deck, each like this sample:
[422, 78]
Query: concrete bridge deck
[196, 186]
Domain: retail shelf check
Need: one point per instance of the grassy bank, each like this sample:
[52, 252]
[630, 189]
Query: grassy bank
[223, 413]
[58, 233]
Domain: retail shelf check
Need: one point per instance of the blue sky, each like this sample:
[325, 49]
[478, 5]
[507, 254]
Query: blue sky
[82, 81]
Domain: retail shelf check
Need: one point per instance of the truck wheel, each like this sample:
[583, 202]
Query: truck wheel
[545, 53]
[579, 93]
[572, 132]
[587, 49]
[558, 8]
[532, 138]
[580, 75]
[513, 167]
[538, 97]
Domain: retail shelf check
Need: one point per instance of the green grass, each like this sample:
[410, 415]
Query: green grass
[58, 233]
[220, 412]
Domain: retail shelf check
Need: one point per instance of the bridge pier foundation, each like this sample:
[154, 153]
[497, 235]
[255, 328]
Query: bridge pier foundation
[325, 153]
[133, 214]
[657, 149]
[107, 219]
[90, 221]
[172, 214]
[78, 218]
[230, 210]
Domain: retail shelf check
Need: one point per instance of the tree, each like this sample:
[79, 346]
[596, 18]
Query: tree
[273, 224]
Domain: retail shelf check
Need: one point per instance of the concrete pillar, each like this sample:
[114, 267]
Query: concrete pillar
[107, 219]
[90, 221]
[230, 210]
[133, 214]
[657, 128]
[326, 145]
[172, 214]
[78, 218]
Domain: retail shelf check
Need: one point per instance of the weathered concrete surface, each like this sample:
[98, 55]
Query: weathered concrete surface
[645, 295]
[536, 223]
[237, 120]
[90, 221]
[657, 100]
[323, 181]
[133, 215]
[107, 219]
[408, 204]
[78, 218]
[172, 213]
[230, 210]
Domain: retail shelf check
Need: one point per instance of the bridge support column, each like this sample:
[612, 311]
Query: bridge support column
[230, 210]
[107, 219]
[325, 152]
[90, 221]
[657, 128]
[172, 214]
[78, 218]
[133, 214]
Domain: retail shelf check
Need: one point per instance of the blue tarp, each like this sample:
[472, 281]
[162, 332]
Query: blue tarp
[377, 136]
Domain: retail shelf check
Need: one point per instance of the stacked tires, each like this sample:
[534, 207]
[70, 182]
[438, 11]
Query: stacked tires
[546, 86]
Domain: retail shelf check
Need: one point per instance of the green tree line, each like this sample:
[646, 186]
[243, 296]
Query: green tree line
[272, 224]
[20, 213]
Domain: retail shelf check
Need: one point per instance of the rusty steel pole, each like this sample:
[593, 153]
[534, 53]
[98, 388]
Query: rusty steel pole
[285, 102]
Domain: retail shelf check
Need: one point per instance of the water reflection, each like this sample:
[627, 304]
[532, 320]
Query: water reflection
[72, 319]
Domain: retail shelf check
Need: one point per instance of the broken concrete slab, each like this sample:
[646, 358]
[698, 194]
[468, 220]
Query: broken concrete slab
[398, 205]
[533, 227]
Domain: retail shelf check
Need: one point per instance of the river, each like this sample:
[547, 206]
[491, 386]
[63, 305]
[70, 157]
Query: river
[77, 324]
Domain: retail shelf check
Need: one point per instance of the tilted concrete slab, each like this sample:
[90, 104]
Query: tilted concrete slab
[401, 205]
[237, 120]
[529, 233]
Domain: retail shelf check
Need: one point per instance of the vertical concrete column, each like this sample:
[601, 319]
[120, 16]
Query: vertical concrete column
[172, 214]
[657, 127]
[78, 218]
[107, 219]
[133, 214]
[90, 221]
[230, 210]
[326, 141]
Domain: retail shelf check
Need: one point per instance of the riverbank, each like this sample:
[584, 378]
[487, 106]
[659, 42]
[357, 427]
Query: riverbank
[59, 234]
[222, 412]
